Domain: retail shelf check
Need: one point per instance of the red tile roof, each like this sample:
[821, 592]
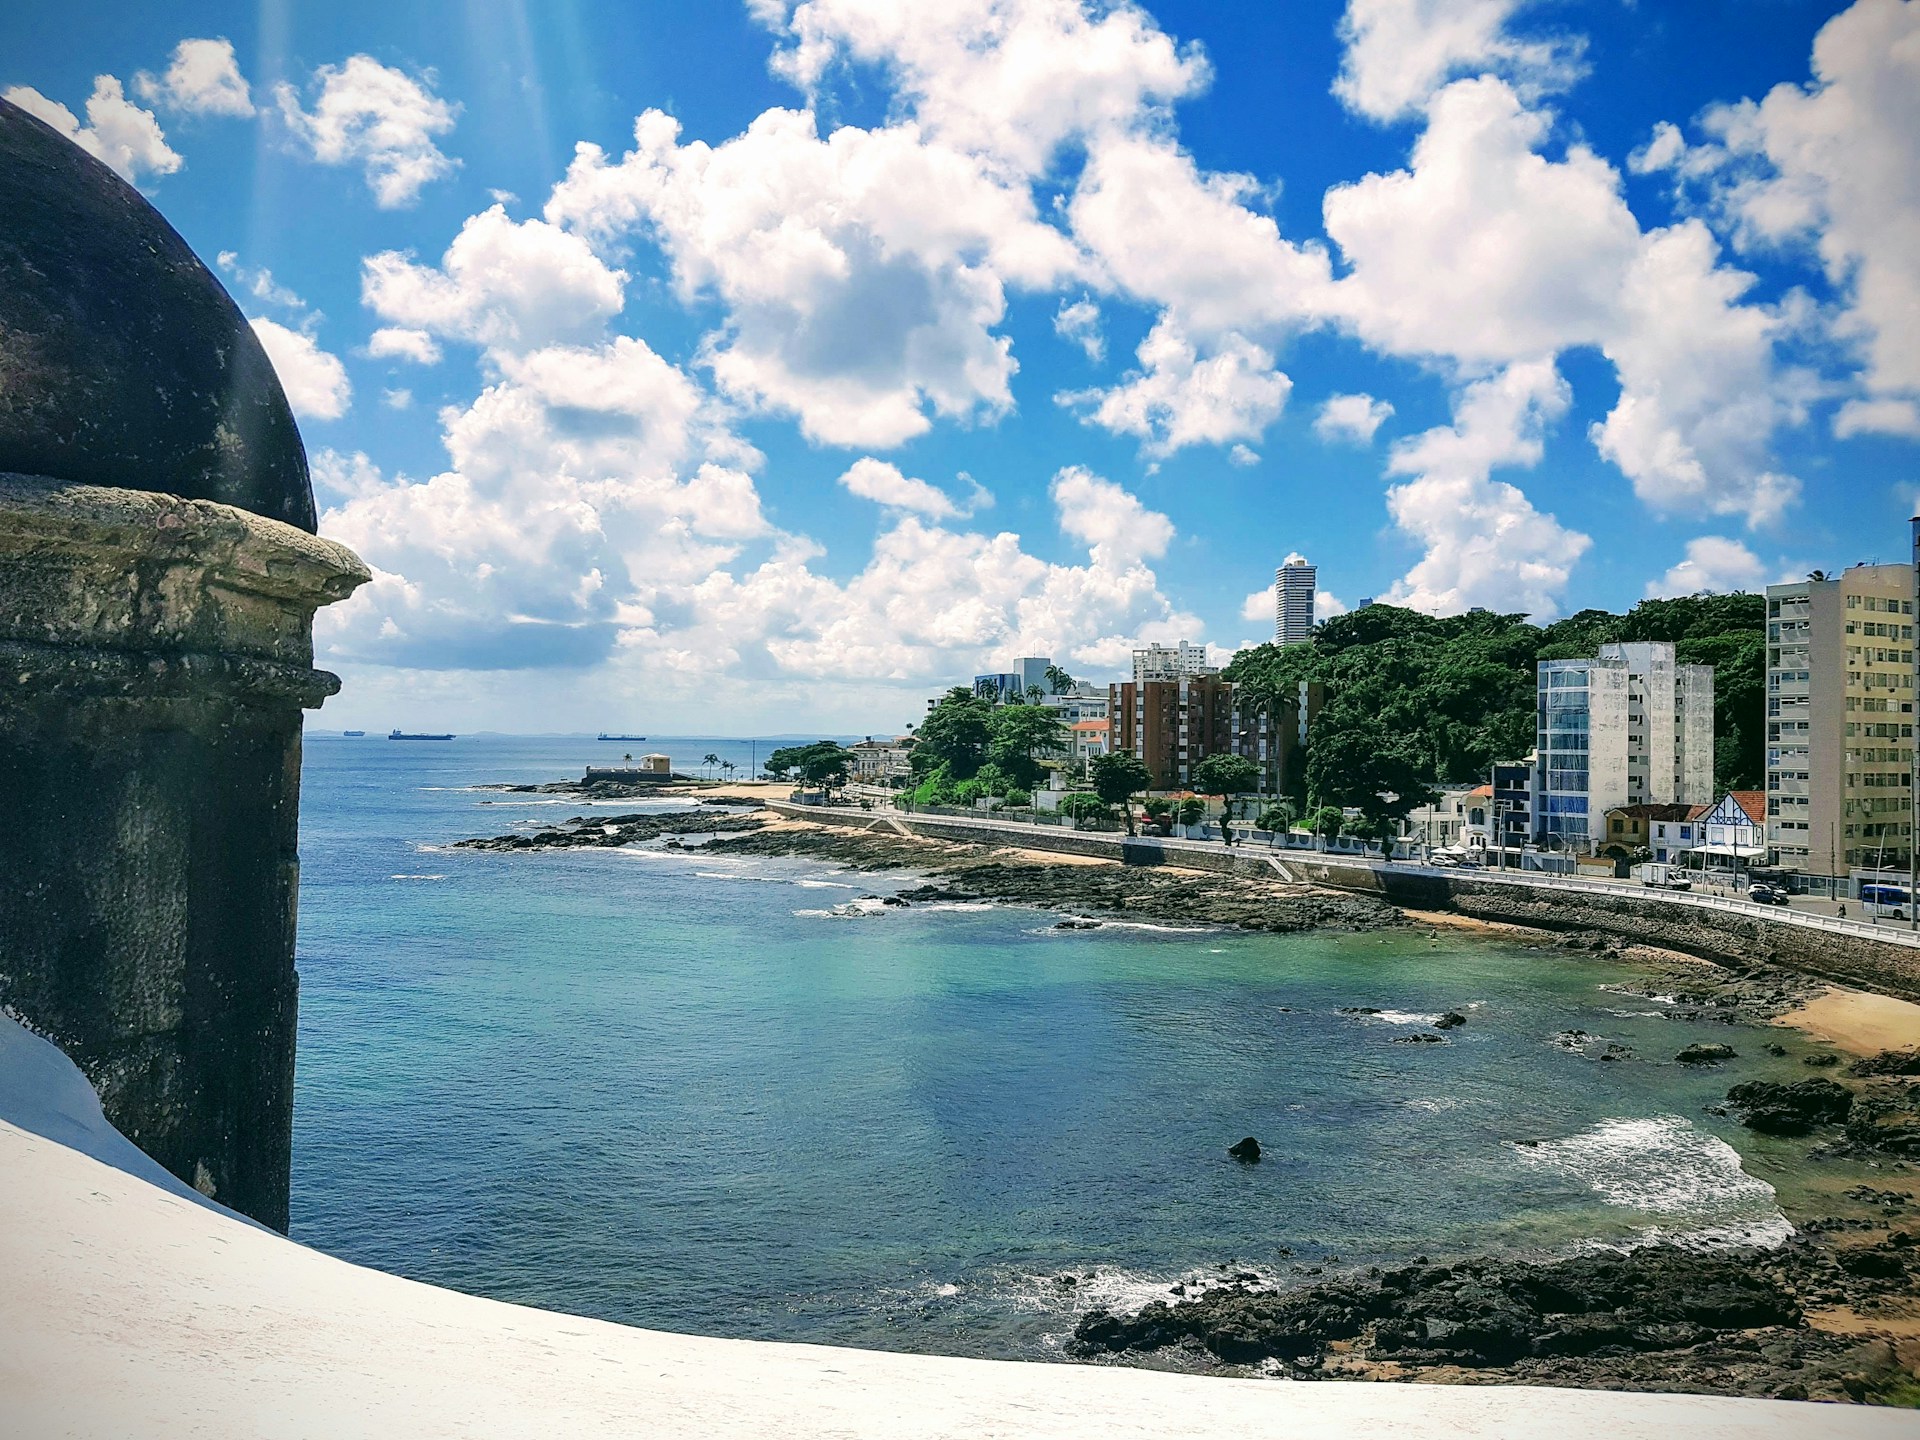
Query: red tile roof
[1754, 802]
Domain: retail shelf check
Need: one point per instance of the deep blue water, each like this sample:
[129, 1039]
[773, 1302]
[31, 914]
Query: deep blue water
[673, 1090]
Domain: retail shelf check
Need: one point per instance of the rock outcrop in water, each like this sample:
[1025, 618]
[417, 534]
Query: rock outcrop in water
[1161, 895]
[583, 832]
[1657, 1318]
[1777, 1109]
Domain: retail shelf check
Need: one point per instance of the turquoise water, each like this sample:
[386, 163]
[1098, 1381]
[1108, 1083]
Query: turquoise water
[673, 1090]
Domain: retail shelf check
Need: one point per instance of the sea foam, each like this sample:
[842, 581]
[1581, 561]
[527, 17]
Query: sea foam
[1689, 1183]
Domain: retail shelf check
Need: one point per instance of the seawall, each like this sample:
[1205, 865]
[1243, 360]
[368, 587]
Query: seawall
[1731, 933]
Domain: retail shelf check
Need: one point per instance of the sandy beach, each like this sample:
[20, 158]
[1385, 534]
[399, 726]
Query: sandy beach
[1857, 1021]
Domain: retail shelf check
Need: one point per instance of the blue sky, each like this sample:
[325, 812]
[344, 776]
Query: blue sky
[769, 366]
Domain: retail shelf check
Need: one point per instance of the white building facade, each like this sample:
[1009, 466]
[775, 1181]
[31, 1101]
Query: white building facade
[1184, 661]
[1293, 590]
[1629, 727]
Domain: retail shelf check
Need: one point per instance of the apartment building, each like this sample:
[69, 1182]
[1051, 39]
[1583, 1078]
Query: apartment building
[1272, 732]
[1293, 589]
[1629, 727]
[1840, 716]
[1183, 661]
[1172, 725]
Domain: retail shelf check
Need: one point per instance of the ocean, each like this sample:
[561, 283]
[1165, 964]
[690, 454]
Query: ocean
[683, 1091]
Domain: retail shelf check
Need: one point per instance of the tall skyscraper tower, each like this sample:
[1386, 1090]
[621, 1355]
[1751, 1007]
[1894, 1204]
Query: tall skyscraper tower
[1293, 588]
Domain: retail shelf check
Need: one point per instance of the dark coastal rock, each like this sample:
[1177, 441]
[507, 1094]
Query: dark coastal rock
[1418, 1040]
[1452, 1020]
[1247, 1151]
[1794, 1109]
[604, 832]
[1484, 1313]
[1886, 1120]
[123, 362]
[1163, 894]
[1889, 1062]
[1821, 1062]
[1706, 1054]
[1359, 1009]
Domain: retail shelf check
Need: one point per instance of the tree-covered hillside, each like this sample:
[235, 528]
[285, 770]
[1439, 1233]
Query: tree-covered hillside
[1445, 698]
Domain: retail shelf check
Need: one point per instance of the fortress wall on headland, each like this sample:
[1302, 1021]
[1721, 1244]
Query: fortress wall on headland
[1736, 936]
[156, 654]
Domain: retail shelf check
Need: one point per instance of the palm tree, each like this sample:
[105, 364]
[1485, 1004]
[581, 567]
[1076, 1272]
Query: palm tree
[729, 767]
[1059, 679]
[1035, 694]
[710, 760]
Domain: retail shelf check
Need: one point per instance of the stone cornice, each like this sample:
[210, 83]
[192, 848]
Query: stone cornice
[191, 582]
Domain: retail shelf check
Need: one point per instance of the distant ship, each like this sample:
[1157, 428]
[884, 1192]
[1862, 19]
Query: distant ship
[402, 735]
[353, 734]
[605, 736]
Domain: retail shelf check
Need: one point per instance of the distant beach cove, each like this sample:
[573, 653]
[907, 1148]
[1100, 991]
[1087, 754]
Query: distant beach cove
[716, 1082]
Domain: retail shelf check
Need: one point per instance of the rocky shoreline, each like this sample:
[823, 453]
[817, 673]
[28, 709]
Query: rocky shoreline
[1834, 1314]
[582, 832]
[963, 872]
[1659, 1318]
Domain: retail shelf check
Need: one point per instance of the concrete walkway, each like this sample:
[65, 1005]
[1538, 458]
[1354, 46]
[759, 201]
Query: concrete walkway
[131, 1310]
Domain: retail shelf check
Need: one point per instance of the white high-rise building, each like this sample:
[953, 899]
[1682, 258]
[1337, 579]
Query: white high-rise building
[1183, 661]
[1293, 587]
[1630, 727]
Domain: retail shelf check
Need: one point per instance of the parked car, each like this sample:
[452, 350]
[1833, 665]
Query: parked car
[1766, 895]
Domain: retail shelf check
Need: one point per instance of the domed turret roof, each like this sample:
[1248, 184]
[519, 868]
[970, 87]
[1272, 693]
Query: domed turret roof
[122, 359]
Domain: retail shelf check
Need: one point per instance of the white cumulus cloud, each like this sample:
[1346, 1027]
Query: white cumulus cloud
[203, 79]
[1012, 80]
[506, 284]
[1715, 565]
[884, 484]
[1354, 418]
[315, 381]
[1079, 321]
[398, 342]
[379, 118]
[1486, 252]
[863, 273]
[1178, 398]
[118, 132]
[1485, 543]
[1399, 52]
[1831, 165]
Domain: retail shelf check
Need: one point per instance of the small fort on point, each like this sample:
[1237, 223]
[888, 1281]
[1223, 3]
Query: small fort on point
[652, 770]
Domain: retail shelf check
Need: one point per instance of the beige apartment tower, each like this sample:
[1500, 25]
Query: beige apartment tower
[1840, 698]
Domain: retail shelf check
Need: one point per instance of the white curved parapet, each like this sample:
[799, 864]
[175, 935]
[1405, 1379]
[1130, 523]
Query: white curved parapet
[130, 1309]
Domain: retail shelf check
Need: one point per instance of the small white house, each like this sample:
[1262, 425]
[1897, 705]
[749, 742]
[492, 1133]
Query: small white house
[1735, 830]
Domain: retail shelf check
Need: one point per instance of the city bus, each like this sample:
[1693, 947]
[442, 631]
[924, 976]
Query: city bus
[1880, 900]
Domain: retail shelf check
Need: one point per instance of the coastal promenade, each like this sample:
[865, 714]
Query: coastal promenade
[133, 1307]
[1722, 928]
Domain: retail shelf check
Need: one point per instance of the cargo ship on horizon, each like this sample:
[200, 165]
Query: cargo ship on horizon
[403, 735]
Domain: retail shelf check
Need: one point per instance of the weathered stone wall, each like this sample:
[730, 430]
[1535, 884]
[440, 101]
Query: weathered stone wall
[156, 654]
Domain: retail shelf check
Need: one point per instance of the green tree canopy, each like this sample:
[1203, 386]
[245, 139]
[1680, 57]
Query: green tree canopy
[1448, 696]
[954, 734]
[1118, 777]
[1018, 735]
[824, 763]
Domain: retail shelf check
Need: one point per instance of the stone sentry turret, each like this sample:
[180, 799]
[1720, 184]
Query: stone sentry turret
[158, 578]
